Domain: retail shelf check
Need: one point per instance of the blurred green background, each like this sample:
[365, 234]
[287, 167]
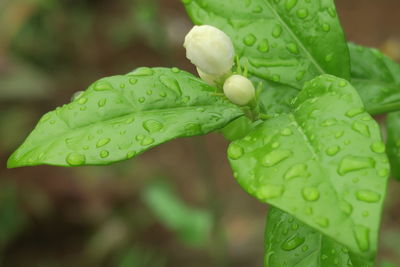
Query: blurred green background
[176, 205]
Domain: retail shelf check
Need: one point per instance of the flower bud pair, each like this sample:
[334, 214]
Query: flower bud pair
[211, 50]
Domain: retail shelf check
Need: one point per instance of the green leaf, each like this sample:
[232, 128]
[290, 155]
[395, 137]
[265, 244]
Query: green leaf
[289, 242]
[377, 79]
[119, 117]
[289, 42]
[325, 164]
[393, 142]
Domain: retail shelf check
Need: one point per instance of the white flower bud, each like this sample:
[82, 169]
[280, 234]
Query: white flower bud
[208, 78]
[239, 90]
[210, 49]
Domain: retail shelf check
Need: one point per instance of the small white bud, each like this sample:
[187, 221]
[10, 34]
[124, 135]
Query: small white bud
[210, 49]
[239, 90]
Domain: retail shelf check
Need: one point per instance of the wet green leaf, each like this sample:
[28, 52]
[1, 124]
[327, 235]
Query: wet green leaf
[290, 242]
[289, 42]
[119, 117]
[377, 79]
[324, 163]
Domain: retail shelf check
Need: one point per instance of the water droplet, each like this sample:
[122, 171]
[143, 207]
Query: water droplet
[292, 47]
[130, 154]
[339, 134]
[275, 157]
[290, 4]
[175, 70]
[122, 86]
[310, 193]
[322, 221]
[378, 147]
[361, 128]
[293, 242]
[329, 122]
[257, 9]
[365, 213]
[152, 126]
[171, 84]
[302, 13]
[304, 248]
[277, 31]
[147, 141]
[332, 12]
[354, 163]
[82, 100]
[343, 83]
[346, 207]
[141, 100]
[368, 196]
[276, 77]
[326, 27]
[249, 40]
[104, 154]
[383, 172]
[269, 191]
[295, 226]
[149, 92]
[75, 159]
[286, 132]
[263, 46]
[329, 57]
[103, 142]
[235, 151]
[275, 145]
[298, 170]
[354, 112]
[132, 81]
[102, 102]
[143, 71]
[332, 151]
[102, 86]
[300, 75]
[361, 234]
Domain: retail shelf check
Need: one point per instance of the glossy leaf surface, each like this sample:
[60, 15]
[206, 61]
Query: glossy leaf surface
[289, 242]
[289, 42]
[119, 117]
[393, 142]
[377, 79]
[325, 164]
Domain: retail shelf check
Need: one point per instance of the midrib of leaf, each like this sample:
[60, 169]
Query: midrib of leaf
[71, 129]
[309, 55]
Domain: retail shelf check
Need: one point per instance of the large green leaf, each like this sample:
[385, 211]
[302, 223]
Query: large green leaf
[325, 164]
[290, 242]
[289, 42]
[118, 117]
[377, 79]
[393, 142]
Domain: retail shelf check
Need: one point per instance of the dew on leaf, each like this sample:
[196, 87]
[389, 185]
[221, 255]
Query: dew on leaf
[82, 100]
[102, 86]
[104, 154]
[132, 81]
[290, 4]
[346, 207]
[322, 221]
[269, 191]
[310, 193]
[332, 151]
[147, 141]
[275, 157]
[143, 71]
[302, 13]
[354, 163]
[293, 242]
[292, 47]
[361, 128]
[103, 142]
[326, 27]
[263, 46]
[75, 159]
[235, 151]
[102, 102]
[277, 31]
[298, 170]
[361, 234]
[354, 112]
[368, 196]
[152, 126]
[249, 40]
[378, 147]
